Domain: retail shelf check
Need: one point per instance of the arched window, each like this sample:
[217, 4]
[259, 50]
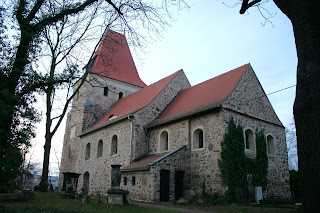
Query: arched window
[164, 141]
[114, 145]
[87, 151]
[198, 142]
[105, 91]
[270, 145]
[120, 95]
[100, 149]
[86, 182]
[249, 140]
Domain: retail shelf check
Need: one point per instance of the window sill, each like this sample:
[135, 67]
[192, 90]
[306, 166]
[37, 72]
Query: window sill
[198, 149]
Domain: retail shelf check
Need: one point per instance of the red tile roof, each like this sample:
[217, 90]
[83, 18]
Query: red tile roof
[113, 60]
[133, 102]
[143, 163]
[208, 94]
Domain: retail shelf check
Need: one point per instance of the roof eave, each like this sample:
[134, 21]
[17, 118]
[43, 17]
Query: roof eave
[135, 170]
[108, 123]
[183, 115]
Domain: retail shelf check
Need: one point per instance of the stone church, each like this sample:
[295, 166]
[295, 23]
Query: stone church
[166, 137]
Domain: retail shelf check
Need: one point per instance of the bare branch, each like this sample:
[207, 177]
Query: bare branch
[246, 5]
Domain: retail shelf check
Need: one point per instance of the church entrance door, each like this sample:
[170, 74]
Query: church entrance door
[164, 185]
[179, 184]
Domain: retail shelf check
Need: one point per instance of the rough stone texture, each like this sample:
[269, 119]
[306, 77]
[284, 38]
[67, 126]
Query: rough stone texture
[83, 115]
[115, 199]
[200, 166]
[99, 169]
[203, 164]
[143, 188]
[178, 161]
[150, 112]
[278, 171]
[249, 106]
[249, 98]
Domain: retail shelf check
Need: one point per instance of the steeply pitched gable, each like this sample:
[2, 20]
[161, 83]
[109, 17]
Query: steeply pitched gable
[113, 60]
[249, 98]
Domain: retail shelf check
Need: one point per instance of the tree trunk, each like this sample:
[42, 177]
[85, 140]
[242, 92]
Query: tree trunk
[47, 145]
[49, 135]
[306, 109]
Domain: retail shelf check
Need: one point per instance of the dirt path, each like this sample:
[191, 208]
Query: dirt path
[170, 208]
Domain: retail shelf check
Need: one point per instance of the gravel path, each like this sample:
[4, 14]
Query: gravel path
[170, 208]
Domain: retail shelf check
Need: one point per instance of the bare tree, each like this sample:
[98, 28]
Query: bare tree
[304, 16]
[292, 146]
[63, 39]
[31, 19]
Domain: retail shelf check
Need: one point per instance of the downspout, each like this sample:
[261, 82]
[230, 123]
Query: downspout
[148, 138]
[131, 139]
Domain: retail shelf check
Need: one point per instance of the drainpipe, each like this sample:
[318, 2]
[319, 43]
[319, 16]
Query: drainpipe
[131, 139]
[148, 139]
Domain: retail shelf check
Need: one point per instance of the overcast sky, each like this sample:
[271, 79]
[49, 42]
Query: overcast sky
[211, 38]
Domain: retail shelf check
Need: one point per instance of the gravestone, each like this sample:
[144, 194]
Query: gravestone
[115, 194]
[250, 188]
[115, 176]
[258, 193]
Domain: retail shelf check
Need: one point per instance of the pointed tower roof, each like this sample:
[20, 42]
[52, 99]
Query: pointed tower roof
[113, 59]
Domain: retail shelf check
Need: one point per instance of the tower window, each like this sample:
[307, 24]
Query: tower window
[87, 152]
[125, 181]
[100, 149]
[120, 95]
[114, 145]
[105, 91]
[133, 181]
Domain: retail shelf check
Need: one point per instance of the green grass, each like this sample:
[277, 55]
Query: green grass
[50, 202]
[238, 208]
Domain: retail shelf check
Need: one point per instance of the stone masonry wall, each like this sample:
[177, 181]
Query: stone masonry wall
[82, 115]
[99, 169]
[203, 165]
[150, 112]
[249, 98]
[143, 190]
[177, 161]
[204, 161]
[278, 170]
[95, 93]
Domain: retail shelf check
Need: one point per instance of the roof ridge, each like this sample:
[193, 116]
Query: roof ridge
[201, 97]
[225, 96]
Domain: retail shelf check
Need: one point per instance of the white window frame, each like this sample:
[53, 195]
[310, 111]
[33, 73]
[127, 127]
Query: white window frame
[193, 138]
[274, 145]
[245, 140]
[159, 147]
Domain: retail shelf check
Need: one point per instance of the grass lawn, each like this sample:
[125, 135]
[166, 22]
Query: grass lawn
[240, 208]
[51, 203]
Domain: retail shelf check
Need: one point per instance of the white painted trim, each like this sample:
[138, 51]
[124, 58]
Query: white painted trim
[254, 140]
[159, 140]
[204, 141]
[274, 145]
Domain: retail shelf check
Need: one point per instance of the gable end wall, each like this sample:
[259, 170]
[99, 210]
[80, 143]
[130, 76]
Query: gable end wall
[249, 98]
